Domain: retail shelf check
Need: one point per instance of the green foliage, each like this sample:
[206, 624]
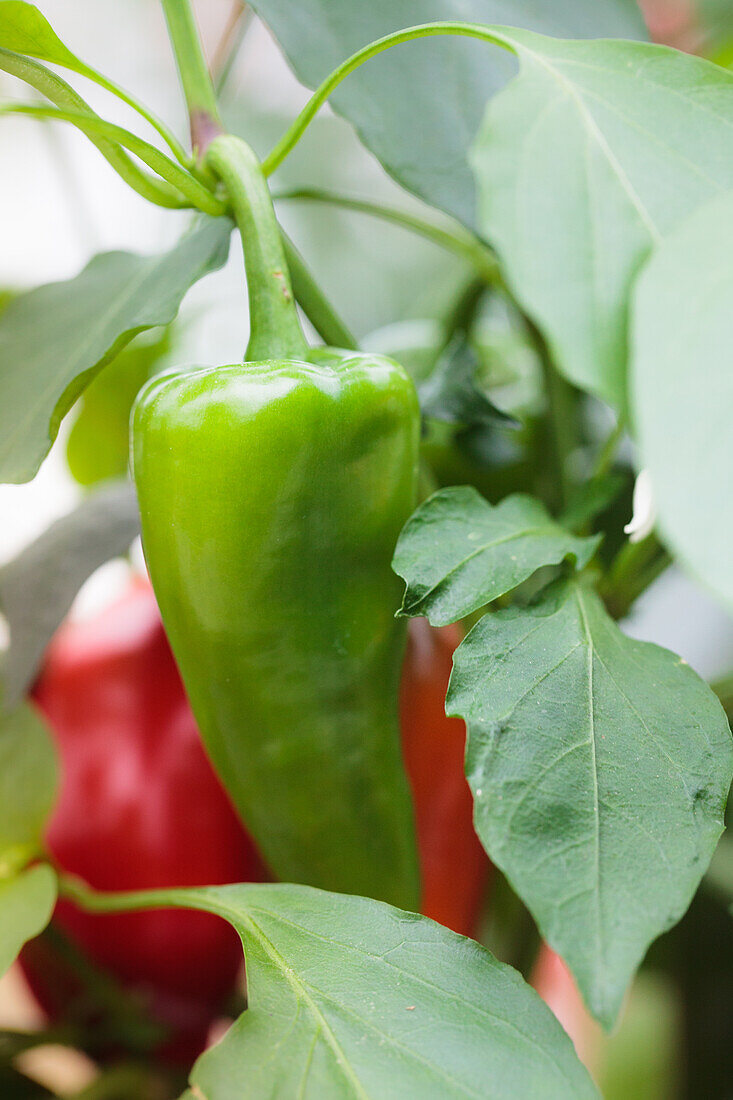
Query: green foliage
[352, 998]
[54, 340]
[419, 108]
[458, 553]
[600, 768]
[26, 904]
[27, 786]
[682, 386]
[593, 154]
[25, 30]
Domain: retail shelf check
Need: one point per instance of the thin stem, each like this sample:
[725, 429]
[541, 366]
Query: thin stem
[152, 119]
[425, 30]
[607, 452]
[561, 417]
[457, 240]
[314, 303]
[50, 85]
[203, 109]
[129, 901]
[14, 1042]
[634, 569]
[275, 330]
[192, 192]
[228, 48]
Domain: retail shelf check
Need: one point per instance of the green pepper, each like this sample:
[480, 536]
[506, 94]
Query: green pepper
[271, 495]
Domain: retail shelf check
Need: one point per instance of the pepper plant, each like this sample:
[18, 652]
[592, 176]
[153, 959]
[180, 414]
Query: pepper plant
[298, 508]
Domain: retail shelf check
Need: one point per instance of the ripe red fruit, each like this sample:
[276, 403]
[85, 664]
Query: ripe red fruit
[454, 865]
[140, 807]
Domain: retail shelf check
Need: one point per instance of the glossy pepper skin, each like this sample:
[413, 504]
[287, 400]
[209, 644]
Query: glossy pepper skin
[454, 867]
[139, 807]
[271, 496]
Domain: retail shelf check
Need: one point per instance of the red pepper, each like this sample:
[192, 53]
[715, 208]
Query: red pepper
[140, 807]
[454, 866]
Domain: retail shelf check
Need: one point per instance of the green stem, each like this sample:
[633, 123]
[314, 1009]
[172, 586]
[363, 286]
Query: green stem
[228, 48]
[157, 124]
[562, 412]
[425, 30]
[314, 303]
[635, 568]
[13, 1042]
[203, 109]
[275, 330]
[607, 452]
[187, 191]
[457, 240]
[52, 86]
[130, 901]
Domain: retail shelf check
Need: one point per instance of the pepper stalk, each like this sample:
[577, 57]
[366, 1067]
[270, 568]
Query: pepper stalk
[275, 329]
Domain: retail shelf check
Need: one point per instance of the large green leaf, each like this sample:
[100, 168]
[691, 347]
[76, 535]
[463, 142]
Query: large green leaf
[27, 786]
[419, 107]
[600, 768]
[54, 340]
[37, 588]
[349, 997]
[26, 904]
[591, 155]
[458, 552]
[682, 389]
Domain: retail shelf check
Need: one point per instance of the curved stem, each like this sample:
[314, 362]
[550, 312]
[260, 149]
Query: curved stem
[203, 109]
[634, 569]
[424, 30]
[50, 85]
[314, 303]
[192, 193]
[128, 901]
[456, 240]
[275, 330]
[152, 119]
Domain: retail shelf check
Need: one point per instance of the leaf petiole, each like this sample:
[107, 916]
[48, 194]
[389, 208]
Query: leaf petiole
[456, 239]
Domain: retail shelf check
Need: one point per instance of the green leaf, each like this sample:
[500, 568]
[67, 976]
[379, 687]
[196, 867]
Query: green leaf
[593, 153]
[28, 773]
[99, 440]
[418, 108]
[600, 768]
[24, 30]
[452, 392]
[349, 997]
[457, 552]
[26, 904]
[54, 340]
[37, 588]
[682, 389]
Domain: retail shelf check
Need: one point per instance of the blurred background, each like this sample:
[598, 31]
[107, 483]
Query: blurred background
[60, 203]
